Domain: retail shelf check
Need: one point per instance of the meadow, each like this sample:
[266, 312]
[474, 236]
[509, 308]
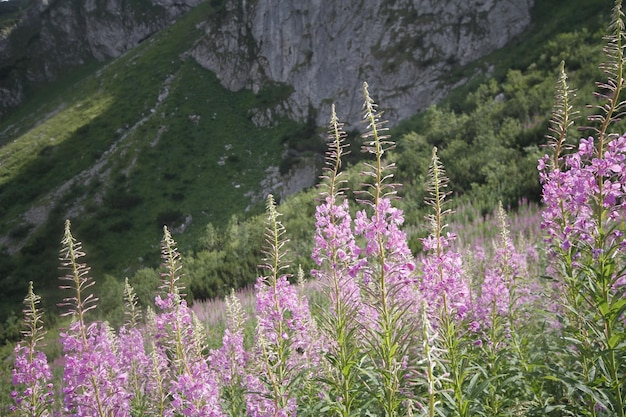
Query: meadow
[508, 314]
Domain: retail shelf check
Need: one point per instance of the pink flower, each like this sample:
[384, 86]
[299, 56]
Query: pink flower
[32, 380]
[94, 382]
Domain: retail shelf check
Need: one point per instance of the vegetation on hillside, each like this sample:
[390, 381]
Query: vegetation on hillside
[489, 133]
[145, 140]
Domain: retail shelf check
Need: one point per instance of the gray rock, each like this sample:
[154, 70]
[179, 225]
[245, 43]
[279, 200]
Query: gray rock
[325, 49]
[51, 37]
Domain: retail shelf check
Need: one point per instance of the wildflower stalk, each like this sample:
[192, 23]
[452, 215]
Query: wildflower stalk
[334, 253]
[179, 346]
[133, 357]
[32, 378]
[285, 340]
[611, 90]
[515, 334]
[436, 199]
[170, 278]
[502, 318]
[428, 336]
[447, 328]
[387, 347]
[388, 268]
[584, 212]
[457, 361]
[278, 375]
[77, 275]
[158, 390]
[78, 305]
[229, 362]
[494, 348]
[131, 309]
[171, 264]
[563, 116]
[445, 290]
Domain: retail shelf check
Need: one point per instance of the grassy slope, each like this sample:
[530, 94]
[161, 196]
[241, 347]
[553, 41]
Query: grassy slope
[163, 165]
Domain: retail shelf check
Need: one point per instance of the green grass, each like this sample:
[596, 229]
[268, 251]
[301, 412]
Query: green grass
[196, 154]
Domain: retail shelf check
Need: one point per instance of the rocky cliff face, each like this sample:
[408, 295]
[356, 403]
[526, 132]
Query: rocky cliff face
[325, 49]
[54, 35]
[322, 49]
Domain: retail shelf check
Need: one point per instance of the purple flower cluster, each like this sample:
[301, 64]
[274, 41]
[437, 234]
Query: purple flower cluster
[573, 196]
[507, 292]
[334, 240]
[286, 347]
[195, 392]
[229, 362]
[337, 253]
[93, 380]
[33, 381]
[384, 239]
[188, 379]
[283, 315]
[386, 266]
[135, 360]
[444, 282]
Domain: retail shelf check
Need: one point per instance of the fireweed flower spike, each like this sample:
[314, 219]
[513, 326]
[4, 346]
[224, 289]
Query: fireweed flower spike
[563, 116]
[285, 343]
[32, 379]
[336, 254]
[443, 284]
[504, 293]
[135, 361]
[93, 379]
[503, 298]
[191, 385]
[229, 362]
[386, 272]
[132, 354]
[445, 294]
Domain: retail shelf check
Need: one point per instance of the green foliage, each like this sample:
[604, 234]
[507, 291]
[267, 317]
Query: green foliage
[490, 137]
[145, 283]
[225, 261]
[111, 300]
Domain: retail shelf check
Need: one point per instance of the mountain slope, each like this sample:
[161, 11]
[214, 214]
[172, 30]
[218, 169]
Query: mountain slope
[39, 40]
[150, 138]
